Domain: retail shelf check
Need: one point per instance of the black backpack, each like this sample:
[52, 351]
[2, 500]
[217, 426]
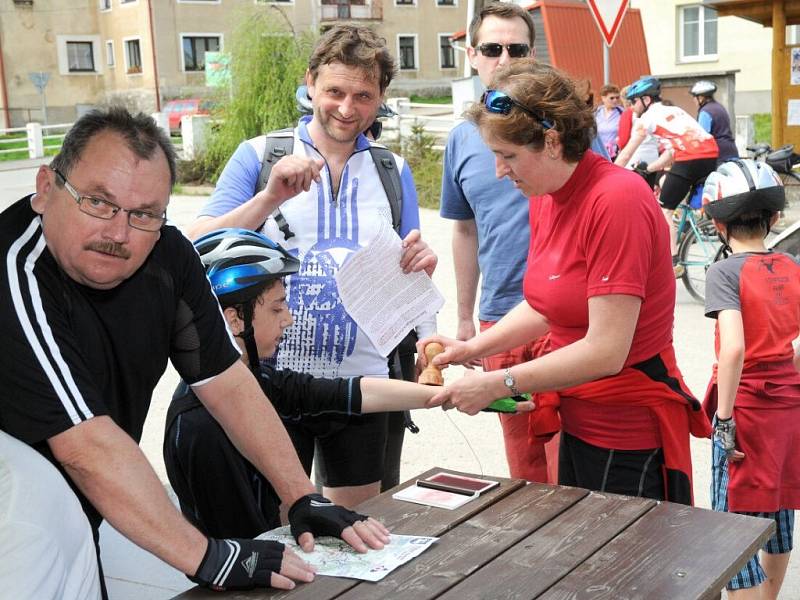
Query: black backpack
[280, 143]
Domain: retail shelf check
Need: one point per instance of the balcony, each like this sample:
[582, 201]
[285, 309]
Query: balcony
[349, 10]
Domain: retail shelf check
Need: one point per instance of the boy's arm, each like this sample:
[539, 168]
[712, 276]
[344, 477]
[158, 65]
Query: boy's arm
[385, 395]
[731, 360]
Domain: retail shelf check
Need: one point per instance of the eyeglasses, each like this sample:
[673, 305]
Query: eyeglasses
[493, 50]
[103, 209]
[500, 103]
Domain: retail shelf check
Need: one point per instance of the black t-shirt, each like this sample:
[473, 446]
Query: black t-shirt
[296, 396]
[71, 352]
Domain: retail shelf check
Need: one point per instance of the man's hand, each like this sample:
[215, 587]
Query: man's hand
[241, 564]
[292, 175]
[725, 432]
[314, 514]
[417, 255]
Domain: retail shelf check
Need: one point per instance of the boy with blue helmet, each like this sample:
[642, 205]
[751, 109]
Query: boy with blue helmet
[754, 394]
[219, 491]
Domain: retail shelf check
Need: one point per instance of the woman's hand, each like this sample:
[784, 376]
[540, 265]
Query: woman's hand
[455, 352]
[470, 394]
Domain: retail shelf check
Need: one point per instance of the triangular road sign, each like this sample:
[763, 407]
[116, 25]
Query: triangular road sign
[608, 14]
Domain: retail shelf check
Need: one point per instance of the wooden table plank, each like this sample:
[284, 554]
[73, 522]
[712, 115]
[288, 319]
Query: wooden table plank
[400, 517]
[472, 544]
[673, 551]
[551, 552]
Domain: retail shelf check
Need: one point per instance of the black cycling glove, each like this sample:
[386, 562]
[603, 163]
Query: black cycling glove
[725, 431]
[237, 564]
[320, 516]
[641, 169]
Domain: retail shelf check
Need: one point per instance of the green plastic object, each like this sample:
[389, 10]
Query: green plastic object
[507, 405]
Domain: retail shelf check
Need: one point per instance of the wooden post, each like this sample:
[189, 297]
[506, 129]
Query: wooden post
[778, 75]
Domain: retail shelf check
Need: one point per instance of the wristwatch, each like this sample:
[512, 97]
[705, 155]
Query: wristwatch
[510, 382]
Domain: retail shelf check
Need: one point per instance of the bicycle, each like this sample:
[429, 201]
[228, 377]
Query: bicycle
[783, 161]
[699, 246]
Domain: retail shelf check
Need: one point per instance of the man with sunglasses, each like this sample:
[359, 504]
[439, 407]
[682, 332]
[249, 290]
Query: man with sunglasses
[97, 293]
[490, 230]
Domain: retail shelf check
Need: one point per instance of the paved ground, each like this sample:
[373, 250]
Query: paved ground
[447, 439]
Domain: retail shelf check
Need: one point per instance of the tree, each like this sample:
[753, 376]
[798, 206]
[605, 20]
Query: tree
[268, 61]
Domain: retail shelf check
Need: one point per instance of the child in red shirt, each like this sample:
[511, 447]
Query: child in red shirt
[755, 390]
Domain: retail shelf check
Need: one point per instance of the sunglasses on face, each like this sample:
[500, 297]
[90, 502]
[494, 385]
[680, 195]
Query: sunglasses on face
[500, 103]
[493, 50]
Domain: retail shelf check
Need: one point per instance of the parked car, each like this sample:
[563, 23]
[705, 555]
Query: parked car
[176, 109]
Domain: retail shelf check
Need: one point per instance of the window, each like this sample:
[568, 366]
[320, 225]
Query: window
[445, 2]
[128, 1]
[105, 4]
[80, 57]
[133, 56]
[110, 54]
[698, 33]
[404, 2]
[195, 48]
[407, 50]
[447, 55]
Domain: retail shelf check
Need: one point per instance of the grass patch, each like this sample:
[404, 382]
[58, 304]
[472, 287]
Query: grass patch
[431, 99]
[762, 123]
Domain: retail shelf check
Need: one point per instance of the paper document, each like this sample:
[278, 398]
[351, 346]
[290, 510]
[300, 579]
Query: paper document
[385, 302]
[332, 556]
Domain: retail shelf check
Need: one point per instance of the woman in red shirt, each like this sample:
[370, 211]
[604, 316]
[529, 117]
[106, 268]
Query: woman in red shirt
[599, 281]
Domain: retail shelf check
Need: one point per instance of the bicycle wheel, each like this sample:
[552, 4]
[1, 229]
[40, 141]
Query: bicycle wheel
[698, 249]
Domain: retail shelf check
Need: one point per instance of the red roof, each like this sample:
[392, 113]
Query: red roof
[575, 43]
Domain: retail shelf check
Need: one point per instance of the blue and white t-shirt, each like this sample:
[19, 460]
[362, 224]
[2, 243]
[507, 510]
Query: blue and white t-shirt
[324, 340]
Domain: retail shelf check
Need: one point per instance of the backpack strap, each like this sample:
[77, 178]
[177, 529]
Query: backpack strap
[390, 179]
[281, 143]
[278, 144]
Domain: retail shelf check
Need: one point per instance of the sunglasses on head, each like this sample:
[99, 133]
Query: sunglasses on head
[500, 103]
[493, 50]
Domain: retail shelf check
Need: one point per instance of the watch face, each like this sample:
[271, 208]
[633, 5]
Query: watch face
[509, 380]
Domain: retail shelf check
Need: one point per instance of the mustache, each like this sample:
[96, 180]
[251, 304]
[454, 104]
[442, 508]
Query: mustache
[112, 248]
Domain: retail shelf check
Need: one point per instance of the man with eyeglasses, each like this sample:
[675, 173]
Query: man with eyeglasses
[490, 229]
[98, 292]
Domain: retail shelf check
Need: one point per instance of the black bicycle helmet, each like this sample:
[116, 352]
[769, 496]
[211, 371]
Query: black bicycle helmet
[646, 86]
[703, 88]
[741, 186]
[239, 262]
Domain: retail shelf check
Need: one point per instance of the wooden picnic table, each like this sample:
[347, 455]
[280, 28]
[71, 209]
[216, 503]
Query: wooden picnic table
[549, 542]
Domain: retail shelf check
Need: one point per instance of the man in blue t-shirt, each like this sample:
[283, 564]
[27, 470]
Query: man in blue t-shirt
[490, 230]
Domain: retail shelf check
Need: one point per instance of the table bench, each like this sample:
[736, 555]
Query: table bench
[549, 542]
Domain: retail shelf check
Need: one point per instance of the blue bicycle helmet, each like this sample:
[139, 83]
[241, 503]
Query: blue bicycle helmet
[646, 86]
[239, 262]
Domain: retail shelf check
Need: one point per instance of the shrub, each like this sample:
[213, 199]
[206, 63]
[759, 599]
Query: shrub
[425, 163]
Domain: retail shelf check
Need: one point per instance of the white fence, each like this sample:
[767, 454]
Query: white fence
[436, 119]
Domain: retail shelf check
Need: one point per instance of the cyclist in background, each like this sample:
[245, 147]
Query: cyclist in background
[683, 142]
[713, 117]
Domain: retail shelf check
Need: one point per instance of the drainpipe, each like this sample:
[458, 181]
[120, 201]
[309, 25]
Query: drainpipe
[153, 49]
[3, 90]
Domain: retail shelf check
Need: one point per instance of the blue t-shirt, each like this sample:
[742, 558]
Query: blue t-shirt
[470, 190]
